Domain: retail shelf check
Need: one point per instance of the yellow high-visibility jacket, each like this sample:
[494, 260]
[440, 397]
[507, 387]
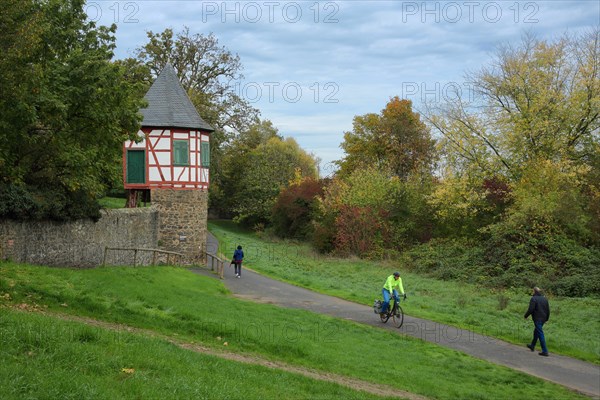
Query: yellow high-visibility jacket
[391, 284]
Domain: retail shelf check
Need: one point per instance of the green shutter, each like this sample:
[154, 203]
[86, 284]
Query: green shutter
[136, 166]
[205, 154]
[181, 154]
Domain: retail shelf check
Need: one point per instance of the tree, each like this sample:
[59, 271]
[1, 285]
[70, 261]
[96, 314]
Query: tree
[521, 161]
[66, 110]
[396, 140]
[463, 204]
[540, 100]
[550, 193]
[353, 215]
[235, 162]
[257, 165]
[293, 209]
[386, 171]
[270, 167]
[538, 109]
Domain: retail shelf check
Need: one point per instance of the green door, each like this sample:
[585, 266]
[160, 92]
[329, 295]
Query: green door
[136, 166]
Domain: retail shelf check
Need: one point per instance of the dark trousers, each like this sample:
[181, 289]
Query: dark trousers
[238, 268]
[538, 333]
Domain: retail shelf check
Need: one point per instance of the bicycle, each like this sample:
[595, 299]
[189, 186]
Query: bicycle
[395, 312]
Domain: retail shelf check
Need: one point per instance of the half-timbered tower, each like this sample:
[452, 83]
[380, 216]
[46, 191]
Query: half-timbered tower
[172, 162]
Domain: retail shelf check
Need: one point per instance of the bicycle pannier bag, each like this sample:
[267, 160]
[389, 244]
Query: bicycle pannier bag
[377, 306]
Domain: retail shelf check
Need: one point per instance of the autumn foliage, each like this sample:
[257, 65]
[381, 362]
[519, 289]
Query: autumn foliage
[292, 213]
[363, 231]
[508, 195]
[395, 140]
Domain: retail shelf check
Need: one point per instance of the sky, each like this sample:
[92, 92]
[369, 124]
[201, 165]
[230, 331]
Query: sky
[311, 66]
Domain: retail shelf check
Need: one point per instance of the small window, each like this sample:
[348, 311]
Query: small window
[205, 154]
[181, 154]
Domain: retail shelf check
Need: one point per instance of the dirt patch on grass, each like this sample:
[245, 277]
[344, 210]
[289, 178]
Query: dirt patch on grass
[255, 299]
[352, 383]
[355, 384]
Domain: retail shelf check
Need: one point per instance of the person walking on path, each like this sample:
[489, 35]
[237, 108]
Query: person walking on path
[238, 256]
[539, 309]
[392, 286]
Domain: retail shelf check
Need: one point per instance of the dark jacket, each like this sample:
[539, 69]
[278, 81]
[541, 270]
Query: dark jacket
[238, 256]
[539, 309]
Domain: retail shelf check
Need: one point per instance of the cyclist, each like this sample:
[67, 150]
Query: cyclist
[392, 286]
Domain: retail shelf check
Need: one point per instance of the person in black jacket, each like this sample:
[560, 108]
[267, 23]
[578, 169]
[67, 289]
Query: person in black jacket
[539, 309]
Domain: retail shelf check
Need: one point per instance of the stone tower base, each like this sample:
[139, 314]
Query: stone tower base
[182, 222]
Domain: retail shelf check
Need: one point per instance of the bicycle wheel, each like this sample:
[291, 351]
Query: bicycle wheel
[384, 317]
[398, 317]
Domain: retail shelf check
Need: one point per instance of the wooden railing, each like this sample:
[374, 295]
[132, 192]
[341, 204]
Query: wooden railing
[213, 260]
[177, 256]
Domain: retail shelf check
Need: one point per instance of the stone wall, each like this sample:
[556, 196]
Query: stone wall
[175, 222]
[182, 222]
[82, 243]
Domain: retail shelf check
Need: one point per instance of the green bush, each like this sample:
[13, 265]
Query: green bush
[448, 259]
[362, 231]
[16, 202]
[508, 259]
[538, 253]
[32, 203]
[292, 212]
[323, 237]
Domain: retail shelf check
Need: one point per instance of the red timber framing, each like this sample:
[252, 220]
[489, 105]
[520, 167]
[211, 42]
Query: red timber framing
[160, 168]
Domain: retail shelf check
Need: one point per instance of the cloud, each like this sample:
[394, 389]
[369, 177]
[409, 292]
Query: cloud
[359, 53]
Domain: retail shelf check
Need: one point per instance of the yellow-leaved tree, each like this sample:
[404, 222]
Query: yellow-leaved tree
[536, 111]
[520, 160]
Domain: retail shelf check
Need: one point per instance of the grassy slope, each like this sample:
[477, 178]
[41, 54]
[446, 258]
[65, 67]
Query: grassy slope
[47, 358]
[454, 303]
[195, 308]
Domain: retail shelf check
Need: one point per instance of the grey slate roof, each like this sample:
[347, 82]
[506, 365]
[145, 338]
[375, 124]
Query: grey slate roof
[169, 104]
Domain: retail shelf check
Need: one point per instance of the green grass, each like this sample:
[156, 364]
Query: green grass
[116, 202]
[194, 308]
[112, 202]
[572, 329]
[47, 358]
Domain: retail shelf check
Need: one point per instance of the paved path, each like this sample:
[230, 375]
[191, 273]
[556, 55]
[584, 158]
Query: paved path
[575, 374]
